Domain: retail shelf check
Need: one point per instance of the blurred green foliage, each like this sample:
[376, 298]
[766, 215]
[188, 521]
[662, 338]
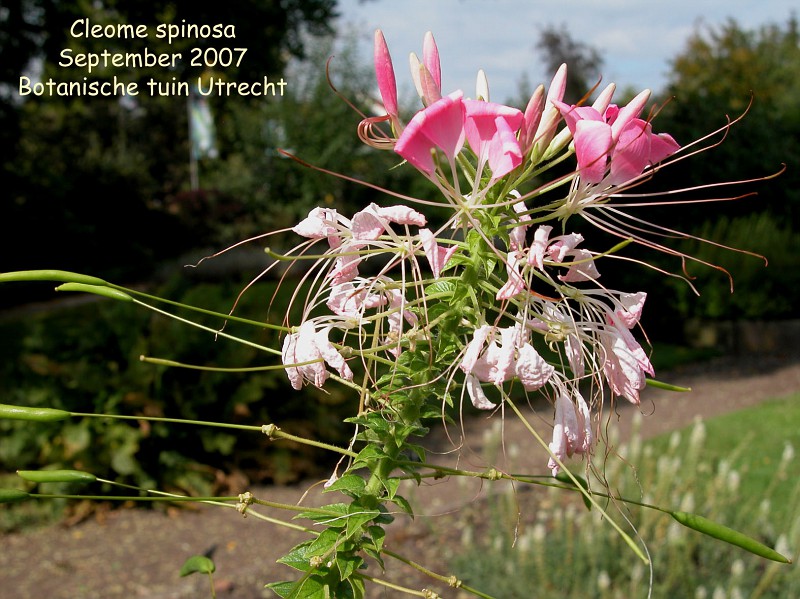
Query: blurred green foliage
[86, 359]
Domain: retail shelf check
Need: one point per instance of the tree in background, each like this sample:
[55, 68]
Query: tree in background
[584, 62]
[721, 71]
[86, 181]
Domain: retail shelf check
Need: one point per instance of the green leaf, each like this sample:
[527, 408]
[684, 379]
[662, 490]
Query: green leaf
[351, 484]
[311, 587]
[57, 476]
[358, 517]
[357, 586]
[440, 287]
[324, 543]
[723, 533]
[13, 495]
[564, 478]
[298, 557]
[347, 564]
[338, 511]
[32, 414]
[197, 563]
[403, 504]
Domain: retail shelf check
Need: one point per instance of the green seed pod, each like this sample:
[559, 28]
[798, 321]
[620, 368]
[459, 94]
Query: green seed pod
[723, 533]
[97, 290]
[33, 414]
[13, 495]
[50, 275]
[57, 476]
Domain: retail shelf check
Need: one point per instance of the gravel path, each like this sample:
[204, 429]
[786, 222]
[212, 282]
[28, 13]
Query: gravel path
[136, 553]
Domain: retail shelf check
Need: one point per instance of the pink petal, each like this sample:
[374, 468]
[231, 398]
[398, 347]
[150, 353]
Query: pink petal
[424, 82]
[628, 113]
[439, 125]
[515, 284]
[476, 394]
[332, 356]
[475, 347]
[662, 146]
[592, 145]
[504, 152]
[586, 270]
[480, 125]
[516, 237]
[531, 369]
[401, 215]
[366, 225]
[631, 307]
[632, 152]
[540, 240]
[436, 255]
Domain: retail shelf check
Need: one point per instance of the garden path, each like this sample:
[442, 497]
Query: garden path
[136, 553]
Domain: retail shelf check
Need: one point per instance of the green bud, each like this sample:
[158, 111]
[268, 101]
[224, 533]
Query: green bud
[50, 275]
[197, 563]
[33, 414]
[723, 533]
[57, 476]
[97, 290]
[13, 495]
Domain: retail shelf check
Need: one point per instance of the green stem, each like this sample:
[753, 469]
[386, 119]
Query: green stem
[208, 329]
[273, 432]
[245, 427]
[450, 580]
[584, 492]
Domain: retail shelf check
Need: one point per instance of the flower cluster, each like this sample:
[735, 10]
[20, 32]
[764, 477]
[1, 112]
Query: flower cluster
[493, 298]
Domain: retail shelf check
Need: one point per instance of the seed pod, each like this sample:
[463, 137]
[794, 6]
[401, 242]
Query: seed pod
[33, 414]
[50, 275]
[723, 533]
[13, 495]
[57, 476]
[97, 290]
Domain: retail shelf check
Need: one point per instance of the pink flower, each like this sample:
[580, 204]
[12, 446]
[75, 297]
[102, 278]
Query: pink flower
[346, 299]
[440, 125]
[491, 132]
[616, 141]
[310, 345]
[572, 430]
[624, 363]
[320, 223]
[497, 363]
[515, 284]
[436, 255]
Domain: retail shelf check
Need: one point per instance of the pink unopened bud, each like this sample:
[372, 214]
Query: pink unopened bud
[384, 73]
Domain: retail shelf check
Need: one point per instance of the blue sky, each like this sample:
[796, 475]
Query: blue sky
[636, 38]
